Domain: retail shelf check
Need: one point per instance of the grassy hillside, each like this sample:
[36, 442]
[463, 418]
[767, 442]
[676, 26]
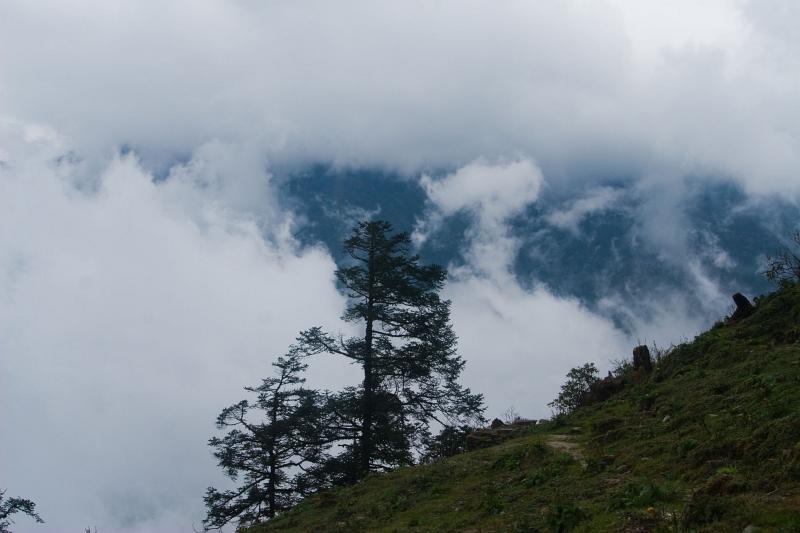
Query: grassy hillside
[709, 442]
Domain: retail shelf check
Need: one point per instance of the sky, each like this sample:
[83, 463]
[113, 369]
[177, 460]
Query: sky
[149, 267]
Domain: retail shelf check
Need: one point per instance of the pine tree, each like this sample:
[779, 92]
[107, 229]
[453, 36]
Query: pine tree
[407, 352]
[12, 506]
[272, 454]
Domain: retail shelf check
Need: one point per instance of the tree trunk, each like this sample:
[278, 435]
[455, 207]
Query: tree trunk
[273, 415]
[271, 486]
[366, 429]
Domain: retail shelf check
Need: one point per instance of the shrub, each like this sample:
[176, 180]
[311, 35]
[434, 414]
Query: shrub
[574, 390]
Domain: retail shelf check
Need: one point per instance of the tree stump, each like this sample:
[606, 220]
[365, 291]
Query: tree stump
[743, 307]
[641, 358]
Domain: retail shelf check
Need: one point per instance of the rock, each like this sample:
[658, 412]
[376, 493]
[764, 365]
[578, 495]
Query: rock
[641, 358]
[743, 308]
[497, 433]
[483, 438]
[602, 390]
[751, 529]
[666, 419]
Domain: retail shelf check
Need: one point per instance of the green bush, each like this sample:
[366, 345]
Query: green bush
[574, 390]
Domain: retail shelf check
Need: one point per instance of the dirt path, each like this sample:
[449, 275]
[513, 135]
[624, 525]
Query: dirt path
[566, 444]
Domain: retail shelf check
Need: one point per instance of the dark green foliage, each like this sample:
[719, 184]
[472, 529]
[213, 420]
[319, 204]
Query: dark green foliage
[12, 506]
[274, 440]
[407, 353]
[574, 390]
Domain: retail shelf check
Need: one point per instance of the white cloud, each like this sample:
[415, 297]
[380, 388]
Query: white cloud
[622, 86]
[495, 191]
[519, 343]
[492, 193]
[130, 312]
[127, 321]
[596, 200]
[514, 339]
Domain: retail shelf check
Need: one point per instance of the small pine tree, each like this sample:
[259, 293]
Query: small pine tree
[12, 506]
[272, 454]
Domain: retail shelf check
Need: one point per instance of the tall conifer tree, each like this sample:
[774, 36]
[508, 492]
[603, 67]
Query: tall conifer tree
[407, 352]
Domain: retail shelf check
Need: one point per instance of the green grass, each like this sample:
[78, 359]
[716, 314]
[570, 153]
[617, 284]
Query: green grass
[709, 442]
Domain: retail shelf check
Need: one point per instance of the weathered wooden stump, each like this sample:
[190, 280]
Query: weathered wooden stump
[743, 307]
[641, 358]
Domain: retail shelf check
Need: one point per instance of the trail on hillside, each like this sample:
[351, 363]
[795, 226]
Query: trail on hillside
[566, 444]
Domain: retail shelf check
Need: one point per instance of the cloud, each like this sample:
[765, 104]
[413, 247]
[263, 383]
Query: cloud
[596, 200]
[519, 338]
[492, 193]
[512, 337]
[495, 191]
[128, 318]
[139, 293]
[519, 343]
[617, 87]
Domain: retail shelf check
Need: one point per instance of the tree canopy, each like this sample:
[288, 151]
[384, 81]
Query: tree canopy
[407, 351]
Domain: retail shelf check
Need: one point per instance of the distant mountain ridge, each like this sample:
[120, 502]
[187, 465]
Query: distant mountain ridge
[599, 246]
